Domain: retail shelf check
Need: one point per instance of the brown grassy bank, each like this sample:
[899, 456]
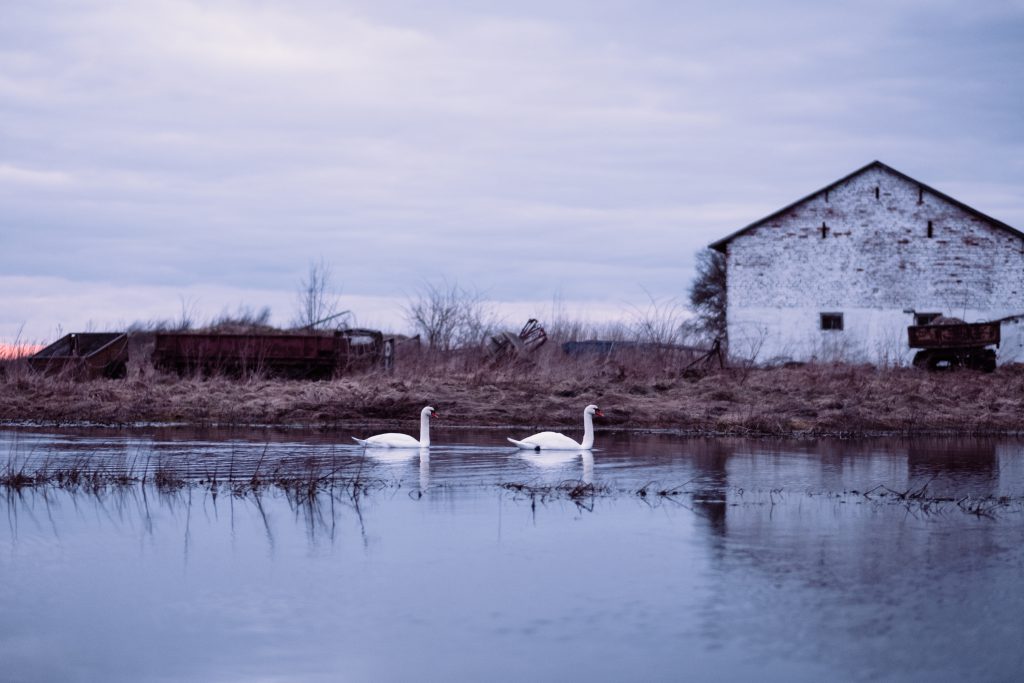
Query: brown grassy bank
[819, 399]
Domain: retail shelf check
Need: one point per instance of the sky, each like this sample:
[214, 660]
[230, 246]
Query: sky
[164, 155]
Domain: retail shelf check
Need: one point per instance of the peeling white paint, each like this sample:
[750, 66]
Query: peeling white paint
[864, 249]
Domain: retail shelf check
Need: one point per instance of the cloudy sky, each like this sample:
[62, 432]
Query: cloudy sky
[167, 152]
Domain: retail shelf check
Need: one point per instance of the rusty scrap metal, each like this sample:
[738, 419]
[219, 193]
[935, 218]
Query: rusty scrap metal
[85, 355]
[705, 361]
[952, 343]
[530, 338]
[310, 356]
[955, 335]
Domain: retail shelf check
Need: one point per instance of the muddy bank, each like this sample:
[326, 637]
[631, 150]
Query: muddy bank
[808, 400]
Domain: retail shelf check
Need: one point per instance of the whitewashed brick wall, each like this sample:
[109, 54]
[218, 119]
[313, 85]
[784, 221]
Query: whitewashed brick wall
[874, 261]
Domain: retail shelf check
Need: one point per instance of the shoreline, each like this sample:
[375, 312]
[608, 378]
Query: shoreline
[826, 401]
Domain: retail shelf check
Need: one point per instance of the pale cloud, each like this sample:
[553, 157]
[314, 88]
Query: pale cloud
[25, 176]
[215, 148]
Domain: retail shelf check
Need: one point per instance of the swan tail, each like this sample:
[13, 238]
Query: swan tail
[361, 442]
[524, 445]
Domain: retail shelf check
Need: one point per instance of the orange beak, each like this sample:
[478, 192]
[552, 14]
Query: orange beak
[598, 413]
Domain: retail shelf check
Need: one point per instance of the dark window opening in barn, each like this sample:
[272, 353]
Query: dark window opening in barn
[832, 321]
[878, 192]
[824, 231]
[920, 195]
[925, 318]
[826, 196]
[931, 230]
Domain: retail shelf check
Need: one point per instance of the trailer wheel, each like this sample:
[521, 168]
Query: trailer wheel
[932, 359]
[985, 361]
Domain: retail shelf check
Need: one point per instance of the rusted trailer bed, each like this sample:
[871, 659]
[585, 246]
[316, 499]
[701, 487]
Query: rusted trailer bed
[85, 355]
[956, 344]
[313, 356]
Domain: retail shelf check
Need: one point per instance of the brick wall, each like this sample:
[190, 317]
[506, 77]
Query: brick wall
[863, 249]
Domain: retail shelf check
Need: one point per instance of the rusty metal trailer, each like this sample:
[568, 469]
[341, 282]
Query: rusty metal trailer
[85, 355]
[311, 356]
[955, 345]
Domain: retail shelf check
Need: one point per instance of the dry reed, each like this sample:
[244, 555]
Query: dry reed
[638, 389]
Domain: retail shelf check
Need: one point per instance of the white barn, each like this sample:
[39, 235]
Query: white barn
[841, 273]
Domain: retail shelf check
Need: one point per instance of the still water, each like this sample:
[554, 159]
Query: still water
[769, 562]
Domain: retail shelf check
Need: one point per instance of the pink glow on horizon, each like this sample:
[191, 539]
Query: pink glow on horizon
[11, 351]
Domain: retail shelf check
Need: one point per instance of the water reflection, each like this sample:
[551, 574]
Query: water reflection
[710, 485]
[561, 465]
[974, 462]
[774, 560]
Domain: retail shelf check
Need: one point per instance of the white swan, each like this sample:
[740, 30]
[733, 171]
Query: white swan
[393, 440]
[553, 441]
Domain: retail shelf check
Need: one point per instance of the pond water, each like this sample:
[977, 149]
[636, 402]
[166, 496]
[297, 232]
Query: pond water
[768, 560]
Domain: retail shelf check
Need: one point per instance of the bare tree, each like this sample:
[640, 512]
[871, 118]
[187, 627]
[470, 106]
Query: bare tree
[450, 316]
[317, 300]
[707, 295]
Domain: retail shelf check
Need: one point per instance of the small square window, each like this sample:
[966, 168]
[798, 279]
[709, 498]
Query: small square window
[832, 321]
[925, 318]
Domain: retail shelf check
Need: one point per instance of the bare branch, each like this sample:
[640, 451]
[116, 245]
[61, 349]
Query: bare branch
[449, 316]
[317, 300]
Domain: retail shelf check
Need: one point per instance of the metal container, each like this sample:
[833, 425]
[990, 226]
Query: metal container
[313, 356]
[955, 345]
[85, 355]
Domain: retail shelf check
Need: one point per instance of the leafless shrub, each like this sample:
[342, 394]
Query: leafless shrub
[568, 329]
[561, 326]
[243, 318]
[186, 320]
[317, 299]
[660, 323]
[449, 316]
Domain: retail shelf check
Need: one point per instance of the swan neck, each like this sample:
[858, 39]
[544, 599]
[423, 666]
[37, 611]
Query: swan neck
[424, 430]
[588, 431]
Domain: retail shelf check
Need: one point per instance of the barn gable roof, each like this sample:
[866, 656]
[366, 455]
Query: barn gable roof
[721, 244]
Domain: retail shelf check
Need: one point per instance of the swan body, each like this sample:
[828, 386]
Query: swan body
[396, 440]
[554, 441]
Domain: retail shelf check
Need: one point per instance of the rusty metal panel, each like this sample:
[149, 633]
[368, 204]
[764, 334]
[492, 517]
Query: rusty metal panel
[293, 355]
[964, 335]
[530, 338]
[85, 355]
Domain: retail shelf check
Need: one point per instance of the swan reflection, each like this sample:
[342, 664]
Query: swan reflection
[396, 455]
[555, 460]
[424, 469]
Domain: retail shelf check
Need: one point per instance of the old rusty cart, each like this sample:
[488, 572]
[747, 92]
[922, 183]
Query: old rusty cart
[952, 343]
[85, 355]
[311, 356]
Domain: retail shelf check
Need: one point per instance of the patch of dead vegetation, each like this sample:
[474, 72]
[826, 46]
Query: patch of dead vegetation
[550, 392]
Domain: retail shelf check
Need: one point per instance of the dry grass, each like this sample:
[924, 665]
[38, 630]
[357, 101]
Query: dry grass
[647, 390]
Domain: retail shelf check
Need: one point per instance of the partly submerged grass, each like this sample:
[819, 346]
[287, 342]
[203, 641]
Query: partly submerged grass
[318, 481]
